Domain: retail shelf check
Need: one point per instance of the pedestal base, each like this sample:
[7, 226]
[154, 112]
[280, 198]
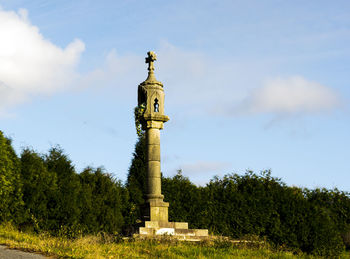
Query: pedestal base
[178, 230]
[156, 210]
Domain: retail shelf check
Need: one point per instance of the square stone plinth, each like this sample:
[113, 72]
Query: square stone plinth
[156, 210]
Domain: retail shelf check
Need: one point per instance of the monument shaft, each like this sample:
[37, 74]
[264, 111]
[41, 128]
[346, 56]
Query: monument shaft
[152, 118]
[153, 163]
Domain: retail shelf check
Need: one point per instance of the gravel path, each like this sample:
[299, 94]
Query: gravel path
[6, 253]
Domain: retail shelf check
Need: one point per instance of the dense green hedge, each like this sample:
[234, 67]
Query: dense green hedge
[11, 203]
[313, 221]
[44, 192]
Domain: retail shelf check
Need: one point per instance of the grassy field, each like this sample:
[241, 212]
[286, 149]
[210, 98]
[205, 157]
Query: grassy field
[103, 246]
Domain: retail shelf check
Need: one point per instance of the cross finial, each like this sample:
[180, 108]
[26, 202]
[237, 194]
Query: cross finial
[150, 60]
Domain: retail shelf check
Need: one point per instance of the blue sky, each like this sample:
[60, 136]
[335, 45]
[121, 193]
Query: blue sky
[249, 84]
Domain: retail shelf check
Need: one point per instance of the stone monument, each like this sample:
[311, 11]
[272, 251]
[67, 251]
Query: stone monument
[151, 99]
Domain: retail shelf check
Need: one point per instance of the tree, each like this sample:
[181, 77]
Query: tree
[185, 199]
[137, 180]
[65, 208]
[39, 189]
[11, 203]
[136, 184]
[101, 201]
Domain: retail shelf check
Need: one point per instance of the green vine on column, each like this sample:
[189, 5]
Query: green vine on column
[138, 114]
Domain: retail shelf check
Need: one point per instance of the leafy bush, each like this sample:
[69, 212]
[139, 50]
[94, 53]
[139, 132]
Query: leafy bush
[39, 190]
[101, 202]
[136, 183]
[262, 205]
[11, 203]
[184, 198]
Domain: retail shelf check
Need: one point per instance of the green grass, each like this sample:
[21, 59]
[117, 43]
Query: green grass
[104, 246]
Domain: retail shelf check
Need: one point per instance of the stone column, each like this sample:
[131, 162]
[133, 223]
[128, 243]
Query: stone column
[153, 164]
[151, 97]
[157, 209]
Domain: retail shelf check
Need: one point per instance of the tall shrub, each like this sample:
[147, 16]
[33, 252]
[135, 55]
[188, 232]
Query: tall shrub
[66, 209]
[39, 190]
[11, 203]
[100, 201]
[137, 181]
[184, 198]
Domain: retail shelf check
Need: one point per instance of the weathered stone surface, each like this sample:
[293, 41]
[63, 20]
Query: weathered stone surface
[156, 210]
[152, 224]
[154, 228]
[165, 231]
[154, 185]
[201, 232]
[153, 168]
[187, 232]
[166, 224]
[154, 152]
[155, 139]
[176, 229]
[146, 231]
[182, 225]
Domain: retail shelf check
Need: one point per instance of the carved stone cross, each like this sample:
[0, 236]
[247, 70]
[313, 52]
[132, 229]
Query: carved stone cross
[150, 60]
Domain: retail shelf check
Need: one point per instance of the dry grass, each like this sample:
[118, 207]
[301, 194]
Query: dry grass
[104, 246]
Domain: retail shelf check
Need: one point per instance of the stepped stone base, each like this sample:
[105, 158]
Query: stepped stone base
[178, 230]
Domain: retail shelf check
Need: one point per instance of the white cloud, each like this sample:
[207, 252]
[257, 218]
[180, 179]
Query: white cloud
[29, 63]
[293, 95]
[122, 73]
